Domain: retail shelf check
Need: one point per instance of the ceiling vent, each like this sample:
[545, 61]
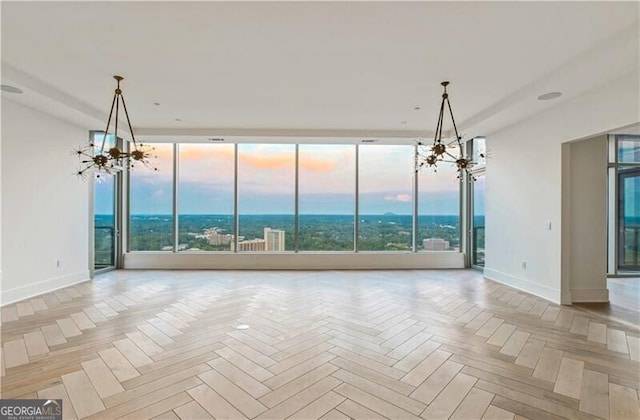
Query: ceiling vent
[216, 139]
[369, 140]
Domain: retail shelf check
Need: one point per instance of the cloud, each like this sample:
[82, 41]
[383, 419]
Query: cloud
[269, 162]
[317, 165]
[403, 198]
[206, 152]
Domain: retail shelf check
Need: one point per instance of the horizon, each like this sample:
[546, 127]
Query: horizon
[286, 214]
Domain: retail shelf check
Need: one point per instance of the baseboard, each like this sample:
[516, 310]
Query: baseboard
[566, 298]
[45, 286]
[590, 295]
[528, 286]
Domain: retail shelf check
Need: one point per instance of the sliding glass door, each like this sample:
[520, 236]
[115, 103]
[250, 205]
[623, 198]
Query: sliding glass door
[477, 220]
[629, 219]
[105, 220]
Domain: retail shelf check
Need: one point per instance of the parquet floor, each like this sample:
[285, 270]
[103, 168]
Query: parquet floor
[319, 344]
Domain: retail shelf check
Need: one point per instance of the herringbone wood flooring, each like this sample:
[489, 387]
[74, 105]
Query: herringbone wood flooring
[321, 344]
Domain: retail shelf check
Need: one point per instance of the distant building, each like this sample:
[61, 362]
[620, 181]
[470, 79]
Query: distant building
[250, 245]
[274, 239]
[435, 244]
[216, 238]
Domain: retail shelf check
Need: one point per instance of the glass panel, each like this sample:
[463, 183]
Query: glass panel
[151, 203]
[629, 149]
[99, 138]
[327, 197]
[266, 197]
[477, 233]
[104, 221]
[205, 197]
[439, 209]
[479, 155]
[385, 201]
[629, 222]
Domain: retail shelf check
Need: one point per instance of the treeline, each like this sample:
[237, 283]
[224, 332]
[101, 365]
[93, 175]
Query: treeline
[316, 232]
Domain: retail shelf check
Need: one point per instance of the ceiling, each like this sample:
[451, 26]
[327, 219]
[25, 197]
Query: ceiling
[312, 69]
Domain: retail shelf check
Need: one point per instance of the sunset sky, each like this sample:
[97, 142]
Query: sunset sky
[266, 181]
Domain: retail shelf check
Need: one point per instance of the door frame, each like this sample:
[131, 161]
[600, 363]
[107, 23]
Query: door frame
[473, 176]
[631, 172]
[117, 214]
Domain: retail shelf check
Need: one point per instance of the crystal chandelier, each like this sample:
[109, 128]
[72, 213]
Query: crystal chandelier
[99, 160]
[431, 155]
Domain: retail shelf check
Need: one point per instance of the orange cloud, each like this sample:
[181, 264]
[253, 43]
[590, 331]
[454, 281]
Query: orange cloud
[269, 162]
[311, 164]
[206, 151]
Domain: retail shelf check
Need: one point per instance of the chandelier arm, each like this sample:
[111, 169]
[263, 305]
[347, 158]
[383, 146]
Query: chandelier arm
[126, 114]
[455, 129]
[106, 130]
[438, 135]
[451, 156]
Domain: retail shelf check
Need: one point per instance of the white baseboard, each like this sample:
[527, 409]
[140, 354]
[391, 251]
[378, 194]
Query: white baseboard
[45, 286]
[528, 286]
[590, 295]
[566, 298]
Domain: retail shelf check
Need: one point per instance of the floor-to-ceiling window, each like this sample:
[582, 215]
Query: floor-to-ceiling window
[385, 179]
[326, 198]
[438, 209]
[151, 203]
[206, 197]
[266, 197]
[292, 197]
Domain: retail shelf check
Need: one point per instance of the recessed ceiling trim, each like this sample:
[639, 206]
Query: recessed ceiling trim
[11, 73]
[572, 66]
[270, 132]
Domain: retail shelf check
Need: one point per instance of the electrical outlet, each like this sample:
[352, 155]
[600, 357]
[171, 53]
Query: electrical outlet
[58, 263]
[548, 226]
[524, 265]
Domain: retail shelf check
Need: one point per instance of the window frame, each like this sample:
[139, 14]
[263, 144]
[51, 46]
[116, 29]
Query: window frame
[412, 147]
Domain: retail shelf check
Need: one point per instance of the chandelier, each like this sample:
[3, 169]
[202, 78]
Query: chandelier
[431, 155]
[99, 160]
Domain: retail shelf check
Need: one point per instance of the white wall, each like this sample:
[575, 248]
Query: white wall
[44, 205]
[0, 201]
[524, 179]
[584, 220]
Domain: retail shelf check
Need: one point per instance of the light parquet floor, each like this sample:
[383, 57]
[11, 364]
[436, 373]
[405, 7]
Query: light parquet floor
[319, 344]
